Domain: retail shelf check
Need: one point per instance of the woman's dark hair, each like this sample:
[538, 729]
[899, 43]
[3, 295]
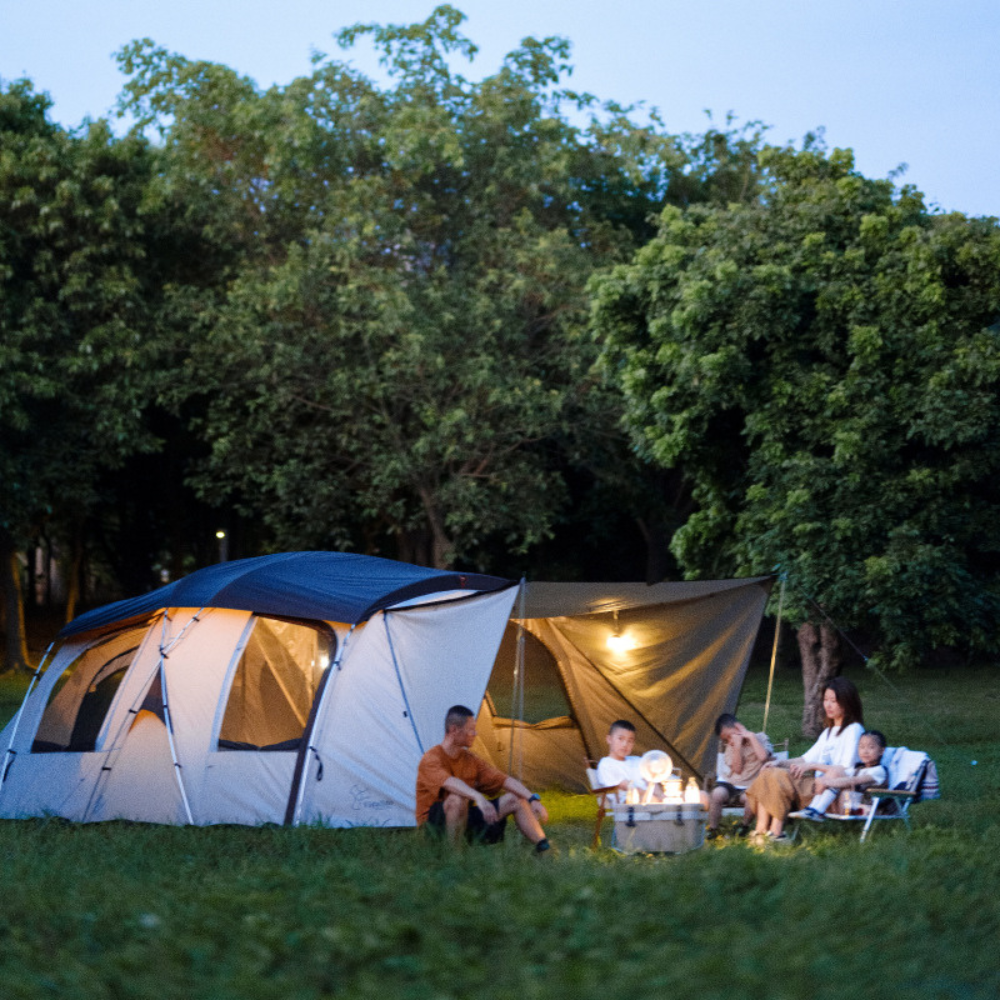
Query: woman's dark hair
[847, 698]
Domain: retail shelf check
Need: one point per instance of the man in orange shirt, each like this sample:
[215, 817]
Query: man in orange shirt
[459, 792]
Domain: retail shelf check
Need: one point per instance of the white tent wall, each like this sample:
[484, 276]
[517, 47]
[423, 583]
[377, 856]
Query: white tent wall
[201, 650]
[386, 705]
[59, 783]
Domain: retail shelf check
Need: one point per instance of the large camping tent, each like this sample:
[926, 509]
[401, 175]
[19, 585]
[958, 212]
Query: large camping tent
[292, 688]
[304, 687]
[669, 657]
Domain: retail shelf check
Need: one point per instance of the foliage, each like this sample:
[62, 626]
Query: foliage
[75, 358]
[823, 365]
[127, 909]
[399, 359]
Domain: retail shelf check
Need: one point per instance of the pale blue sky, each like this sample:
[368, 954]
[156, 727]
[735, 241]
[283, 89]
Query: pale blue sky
[899, 81]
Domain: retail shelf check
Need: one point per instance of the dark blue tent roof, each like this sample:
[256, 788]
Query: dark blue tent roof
[330, 586]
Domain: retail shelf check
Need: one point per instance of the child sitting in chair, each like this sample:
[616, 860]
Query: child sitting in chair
[834, 779]
[620, 767]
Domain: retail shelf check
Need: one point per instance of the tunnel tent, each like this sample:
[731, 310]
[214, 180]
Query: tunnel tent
[577, 656]
[298, 688]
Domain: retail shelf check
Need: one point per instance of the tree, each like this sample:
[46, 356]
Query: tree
[401, 350]
[823, 364]
[75, 305]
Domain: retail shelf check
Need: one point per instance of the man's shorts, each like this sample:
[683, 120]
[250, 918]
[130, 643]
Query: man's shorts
[477, 830]
[735, 794]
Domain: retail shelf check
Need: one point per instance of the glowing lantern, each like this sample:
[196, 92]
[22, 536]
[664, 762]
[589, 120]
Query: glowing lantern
[691, 793]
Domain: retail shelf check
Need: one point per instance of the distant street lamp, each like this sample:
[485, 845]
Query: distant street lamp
[223, 546]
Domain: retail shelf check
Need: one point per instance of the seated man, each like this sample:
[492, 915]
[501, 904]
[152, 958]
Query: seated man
[621, 766]
[458, 792]
[744, 755]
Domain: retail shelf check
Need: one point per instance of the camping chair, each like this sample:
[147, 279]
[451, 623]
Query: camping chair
[603, 794]
[912, 778]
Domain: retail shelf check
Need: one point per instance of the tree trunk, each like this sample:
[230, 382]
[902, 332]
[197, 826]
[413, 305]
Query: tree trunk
[15, 645]
[819, 647]
[657, 539]
[442, 550]
[73, 571]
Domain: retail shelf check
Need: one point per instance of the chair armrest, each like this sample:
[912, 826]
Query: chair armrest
[890, 793]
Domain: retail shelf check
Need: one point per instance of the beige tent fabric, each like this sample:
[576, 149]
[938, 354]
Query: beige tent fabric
[679, 660]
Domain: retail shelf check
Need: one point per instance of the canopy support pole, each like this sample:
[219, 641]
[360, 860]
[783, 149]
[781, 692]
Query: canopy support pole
[517, 693]
[774, 652]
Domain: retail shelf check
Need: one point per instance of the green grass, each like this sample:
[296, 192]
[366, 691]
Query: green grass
[122, 910]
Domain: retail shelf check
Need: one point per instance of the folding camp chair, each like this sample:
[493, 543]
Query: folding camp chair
[603, 794]
[912, 778]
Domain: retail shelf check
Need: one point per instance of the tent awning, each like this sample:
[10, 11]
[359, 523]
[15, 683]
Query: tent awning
[557, 600]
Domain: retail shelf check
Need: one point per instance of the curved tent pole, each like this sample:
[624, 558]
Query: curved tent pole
[9, 753]
[293, 811]
[164, 654]
[115, 741]
[399, 678]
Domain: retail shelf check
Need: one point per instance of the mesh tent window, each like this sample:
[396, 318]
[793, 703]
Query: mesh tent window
[275, 683]
[80, 700]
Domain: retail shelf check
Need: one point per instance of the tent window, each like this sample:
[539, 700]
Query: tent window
[274, 685]
[82, 696]
[544, 693]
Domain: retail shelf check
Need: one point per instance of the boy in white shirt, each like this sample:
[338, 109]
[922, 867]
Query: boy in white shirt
[621, 766]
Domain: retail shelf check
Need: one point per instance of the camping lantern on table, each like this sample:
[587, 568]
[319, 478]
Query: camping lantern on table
[673, 825]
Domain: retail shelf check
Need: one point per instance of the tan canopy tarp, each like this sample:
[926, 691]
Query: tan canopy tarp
[676, 660]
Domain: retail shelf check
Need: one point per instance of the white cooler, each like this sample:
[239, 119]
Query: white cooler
[659, 828]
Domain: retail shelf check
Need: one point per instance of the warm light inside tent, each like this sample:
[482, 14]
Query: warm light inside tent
[621, 642]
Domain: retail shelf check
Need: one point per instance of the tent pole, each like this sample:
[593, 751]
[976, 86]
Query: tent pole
[517, 692]
[774, 652]
[297, 793]
[399, 679]
[169, 721]
[9, 753]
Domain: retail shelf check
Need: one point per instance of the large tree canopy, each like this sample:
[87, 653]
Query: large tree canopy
[77, 364]
[824, 364]
[402, 342]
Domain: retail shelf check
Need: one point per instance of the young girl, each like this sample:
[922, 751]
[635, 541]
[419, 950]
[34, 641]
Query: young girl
[834, 779]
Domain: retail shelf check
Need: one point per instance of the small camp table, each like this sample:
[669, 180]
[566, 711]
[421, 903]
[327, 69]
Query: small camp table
[659, 827]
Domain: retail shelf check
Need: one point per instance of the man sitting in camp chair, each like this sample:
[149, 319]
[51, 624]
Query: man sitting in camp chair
[458, 792]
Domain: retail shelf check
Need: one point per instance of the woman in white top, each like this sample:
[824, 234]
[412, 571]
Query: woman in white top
[784, 786]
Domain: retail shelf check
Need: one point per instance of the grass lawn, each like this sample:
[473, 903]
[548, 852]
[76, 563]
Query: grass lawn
[121, 910]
